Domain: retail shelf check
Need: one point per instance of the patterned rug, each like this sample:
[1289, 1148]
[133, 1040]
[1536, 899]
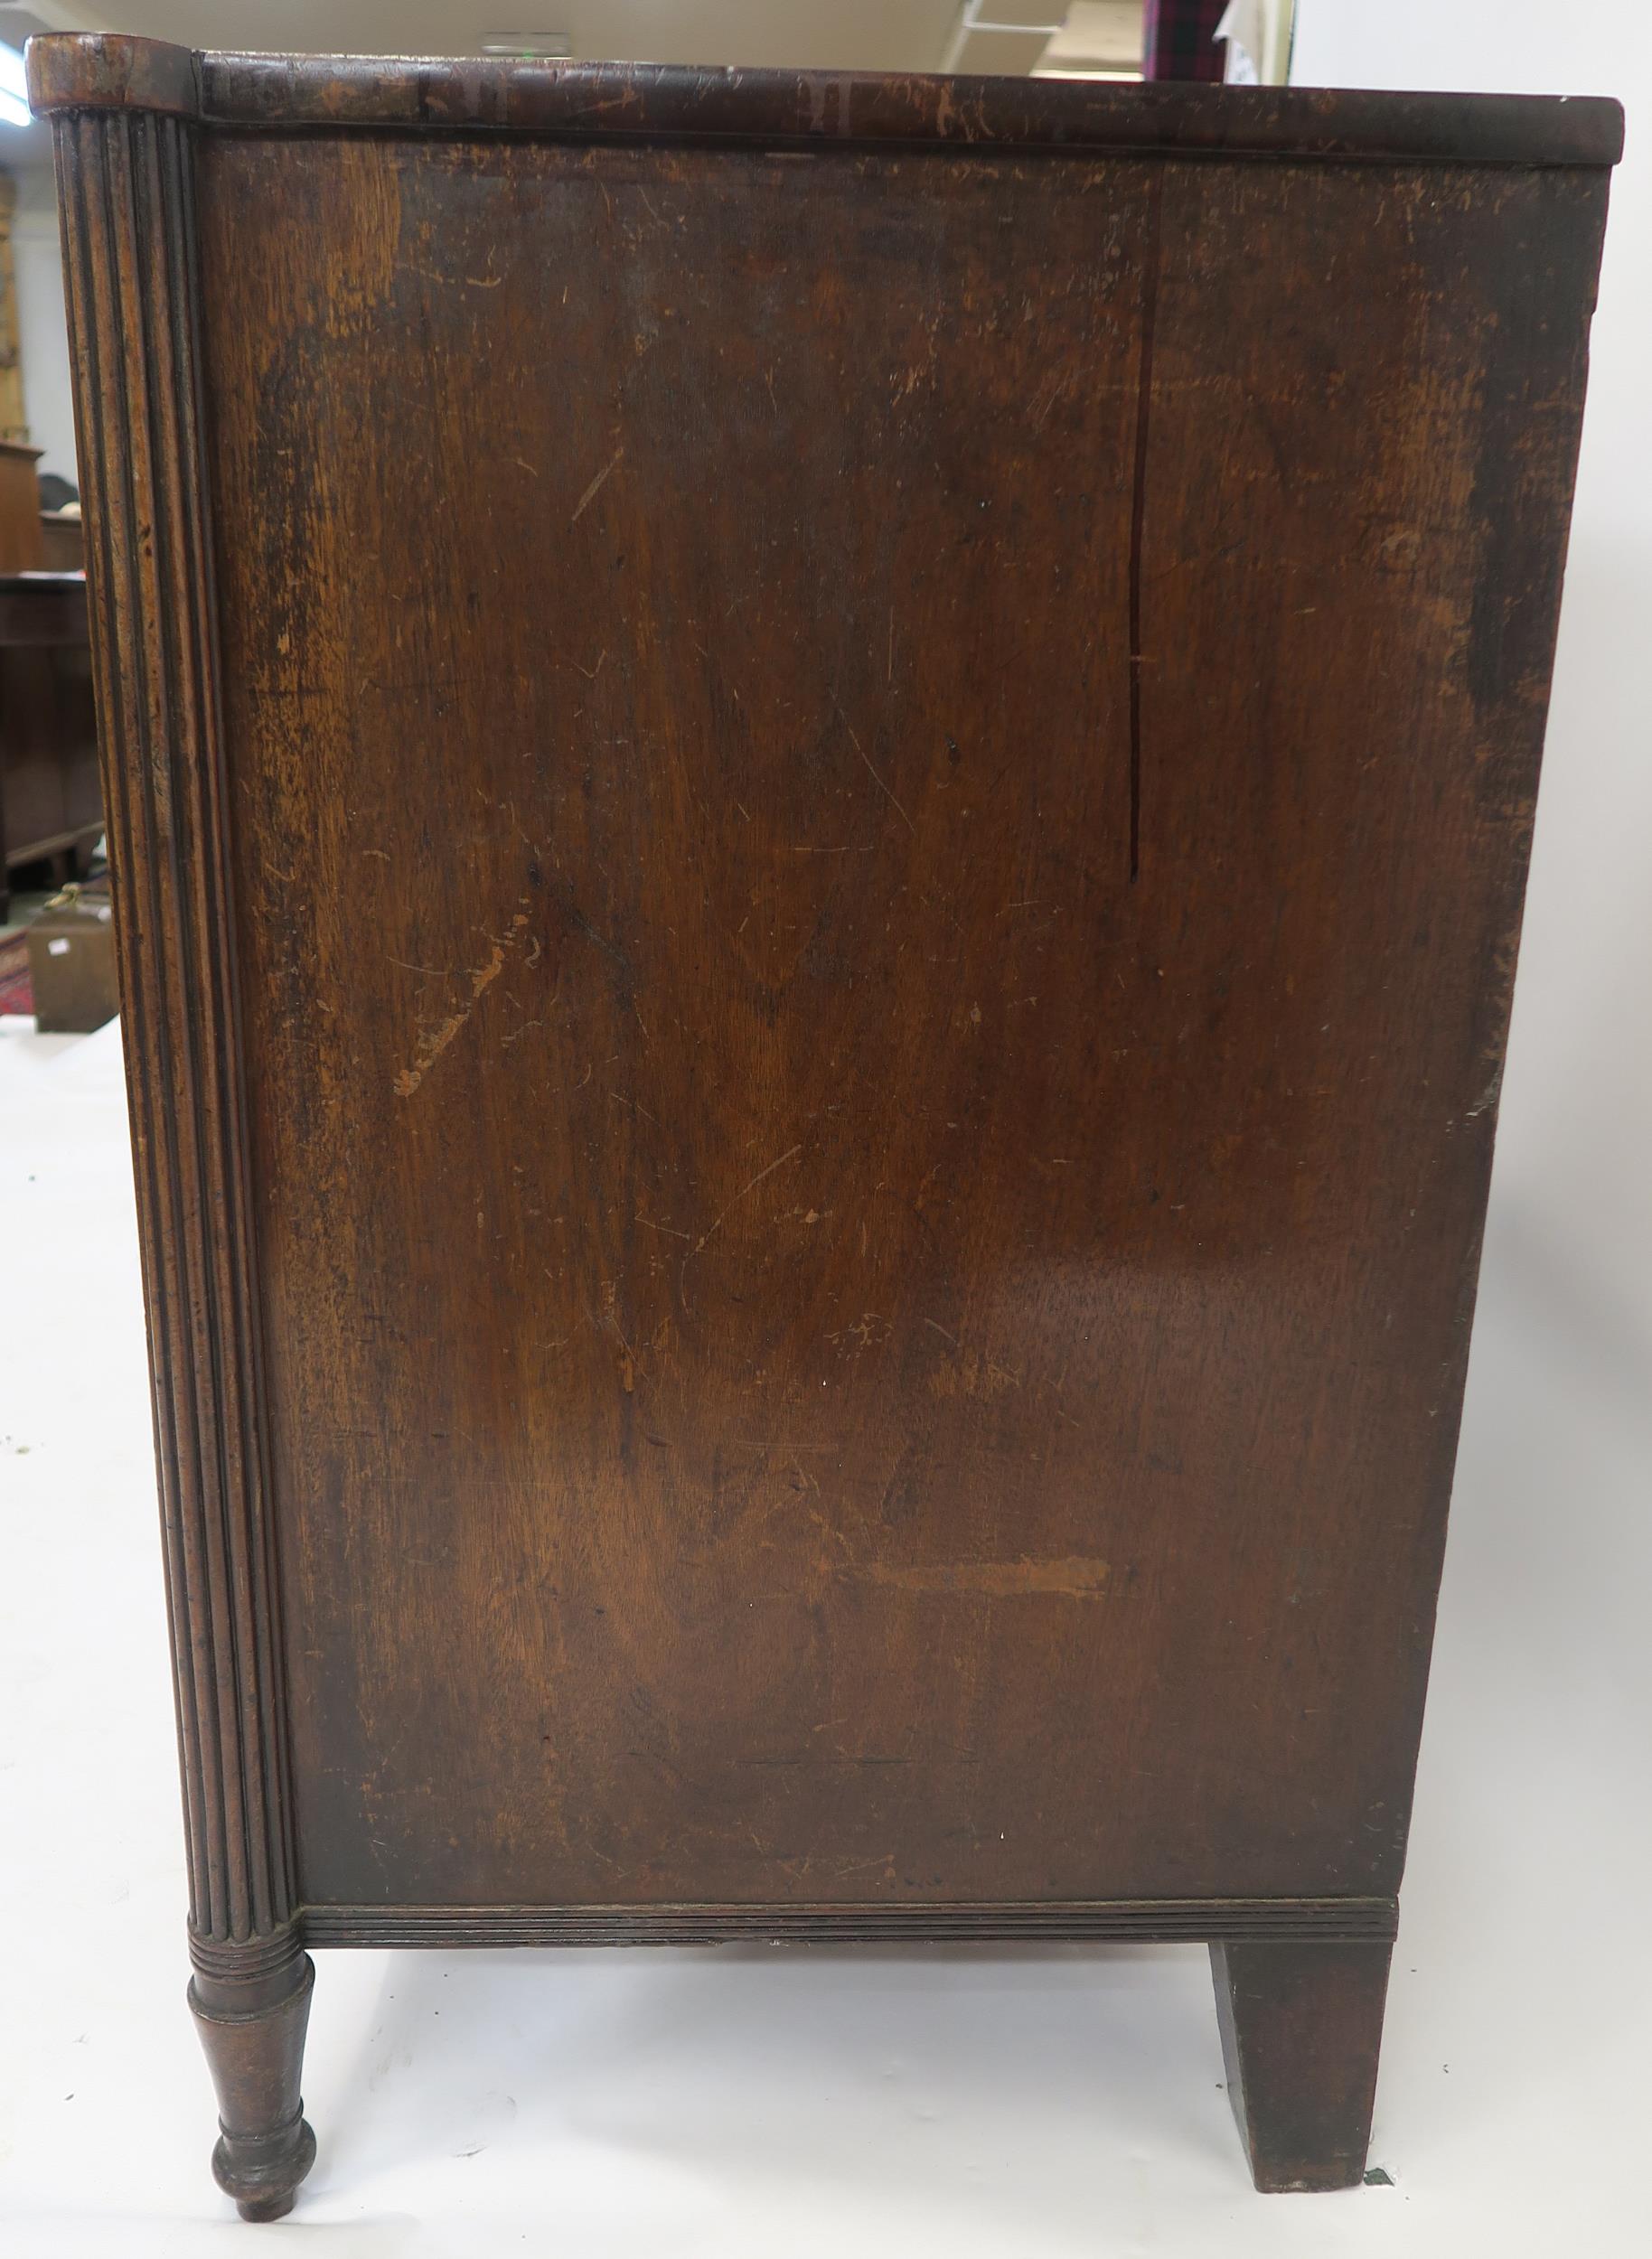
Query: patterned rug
[16, 989]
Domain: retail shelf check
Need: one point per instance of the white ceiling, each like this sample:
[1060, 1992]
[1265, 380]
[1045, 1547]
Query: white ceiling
[804, 34]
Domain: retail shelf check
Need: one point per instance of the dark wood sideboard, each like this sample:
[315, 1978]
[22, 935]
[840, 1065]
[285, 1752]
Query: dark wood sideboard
[820, 790]
[50, 806]
[22, 540]
[50, 800]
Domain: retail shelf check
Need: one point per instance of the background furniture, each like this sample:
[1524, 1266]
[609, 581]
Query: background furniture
[14, 419]
[22, 542]
[71, 965]
[50, 803]
[1179, 40]
[63, 543]
[815, 1085]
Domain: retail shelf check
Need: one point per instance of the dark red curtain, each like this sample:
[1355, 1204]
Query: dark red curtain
[1178, 40]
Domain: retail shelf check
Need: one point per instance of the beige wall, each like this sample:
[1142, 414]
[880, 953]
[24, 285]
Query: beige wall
[42, 335]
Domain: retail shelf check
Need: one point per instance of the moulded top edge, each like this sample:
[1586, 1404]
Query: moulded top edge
[600, 101]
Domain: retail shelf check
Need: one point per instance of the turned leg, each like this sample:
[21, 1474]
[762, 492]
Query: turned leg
[251, 2020]
[1300, 2029]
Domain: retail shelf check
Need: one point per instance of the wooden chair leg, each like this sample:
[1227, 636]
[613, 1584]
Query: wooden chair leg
[1301, 2025]
[252, 2027]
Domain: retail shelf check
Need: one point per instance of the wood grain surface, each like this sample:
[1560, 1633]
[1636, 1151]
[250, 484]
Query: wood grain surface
[879, 809]
[651, 103]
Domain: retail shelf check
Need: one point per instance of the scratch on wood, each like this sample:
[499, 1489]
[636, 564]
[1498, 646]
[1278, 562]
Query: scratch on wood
[972, 1375]
[872, 772]
[718, 1223]
[595, 487]
[1073, 1579]
[740, 1196]
[434, 1041]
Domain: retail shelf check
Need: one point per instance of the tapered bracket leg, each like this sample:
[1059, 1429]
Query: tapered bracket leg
[1301, 2026]
[252, 2022]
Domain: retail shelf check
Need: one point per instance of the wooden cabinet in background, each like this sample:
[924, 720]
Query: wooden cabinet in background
[63, 543]
[820, 790]
[50, 803]
[23, 545]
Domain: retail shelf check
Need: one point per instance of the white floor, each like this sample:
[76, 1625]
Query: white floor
[1016, 2104]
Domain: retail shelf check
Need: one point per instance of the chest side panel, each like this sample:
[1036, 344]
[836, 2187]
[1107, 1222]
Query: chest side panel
[879, 804]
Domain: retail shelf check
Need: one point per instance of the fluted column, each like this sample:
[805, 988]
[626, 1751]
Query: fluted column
[126, 173]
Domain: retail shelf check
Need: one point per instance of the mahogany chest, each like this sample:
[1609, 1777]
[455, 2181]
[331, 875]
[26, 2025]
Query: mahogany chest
[820, 789]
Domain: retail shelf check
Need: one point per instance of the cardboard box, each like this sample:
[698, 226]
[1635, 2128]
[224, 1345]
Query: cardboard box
[71, 963]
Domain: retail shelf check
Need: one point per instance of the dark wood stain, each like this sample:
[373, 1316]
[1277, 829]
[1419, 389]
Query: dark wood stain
[50, 803]
[1151, 255]
[820, 792]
